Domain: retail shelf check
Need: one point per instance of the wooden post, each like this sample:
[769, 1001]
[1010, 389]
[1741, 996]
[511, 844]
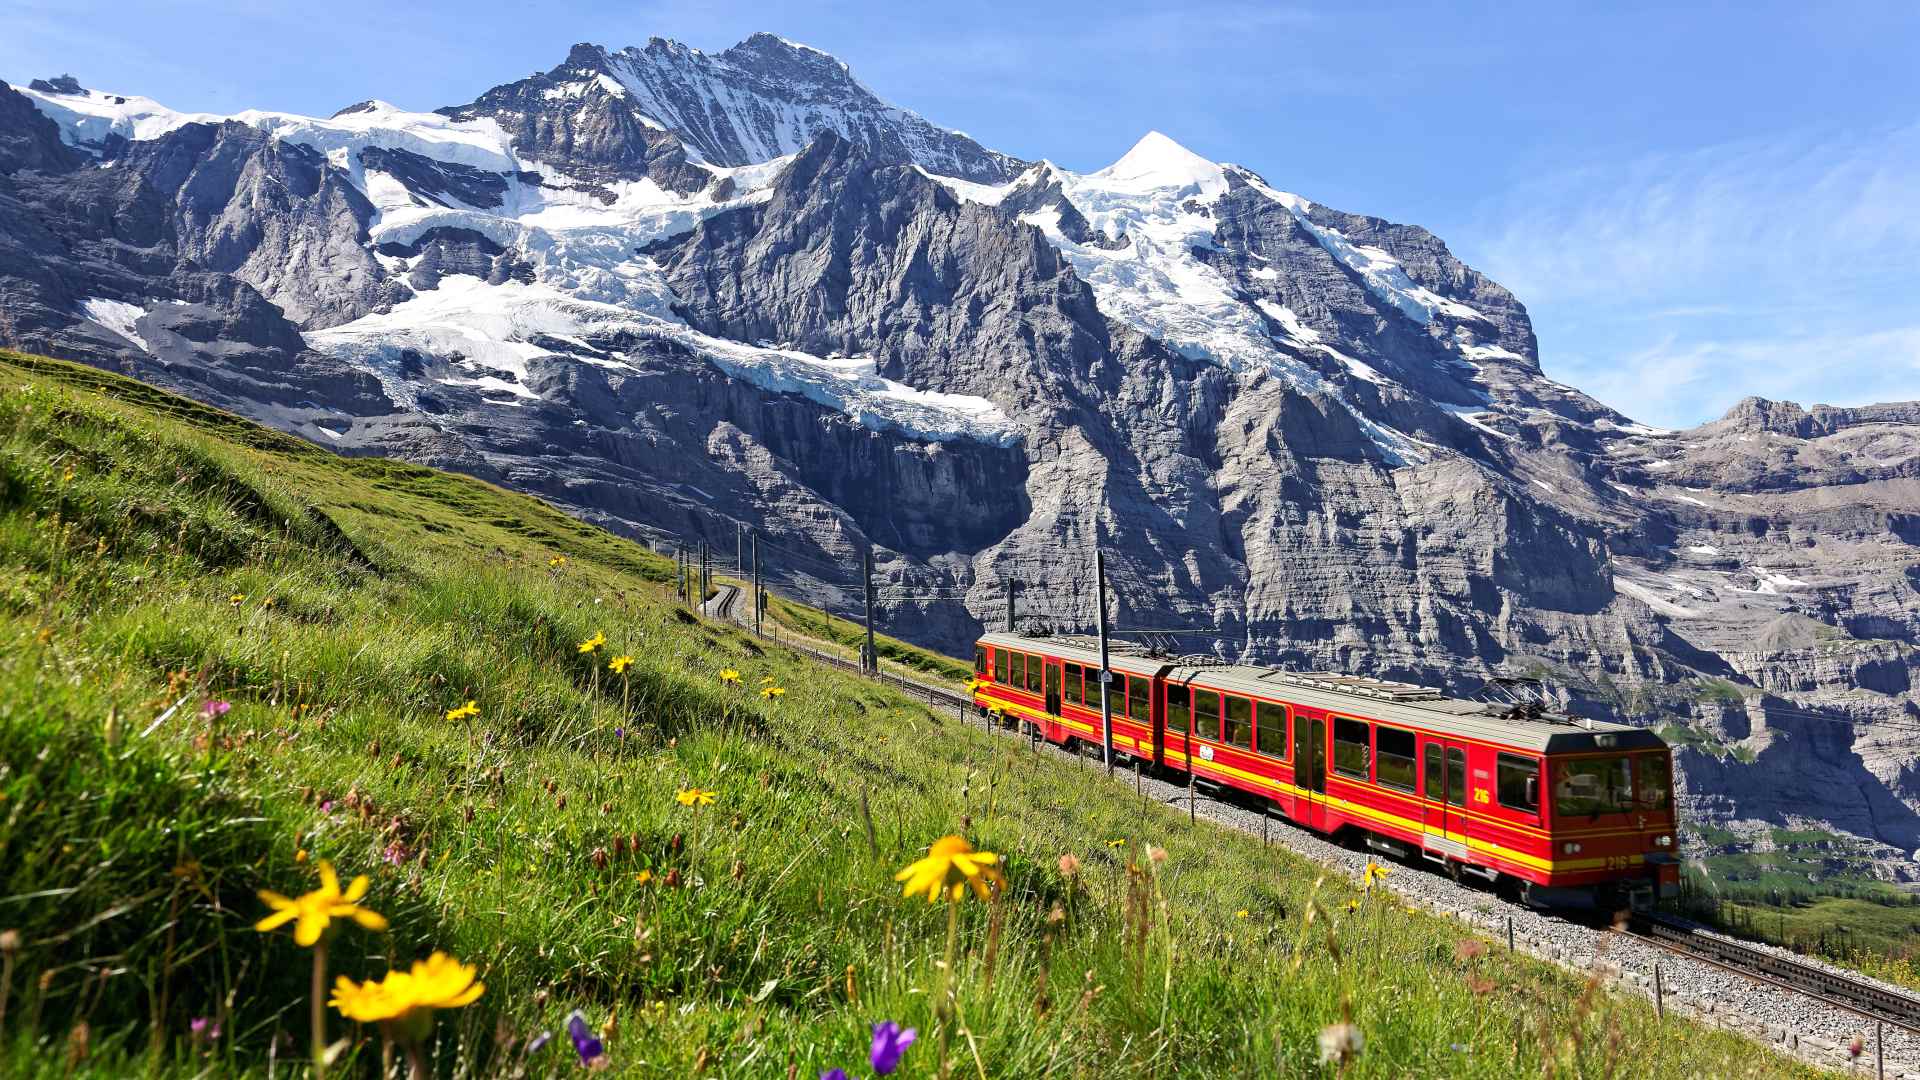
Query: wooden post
[1011, 586]
[1106, 672]
[869, 660]
[1659, 993]
[1510, 939]
[1137, 789]
[1880, 1049]
[1191, 812]
[756, 581]
[1265, 817]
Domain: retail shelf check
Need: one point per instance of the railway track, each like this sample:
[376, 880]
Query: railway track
[1854, 995]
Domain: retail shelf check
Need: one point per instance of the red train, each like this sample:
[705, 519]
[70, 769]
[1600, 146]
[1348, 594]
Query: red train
[1575, 813]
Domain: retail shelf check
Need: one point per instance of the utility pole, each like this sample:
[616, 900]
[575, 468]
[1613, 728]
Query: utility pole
[1012, 584]
[706, 560]
[1106, 672]
[756, 581]
[680, 572]
[739, 550]
[869, 660]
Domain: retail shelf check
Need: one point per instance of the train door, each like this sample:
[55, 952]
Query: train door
[1445, 799]
[1174, 719]
[1050, 694]
[1310, 770]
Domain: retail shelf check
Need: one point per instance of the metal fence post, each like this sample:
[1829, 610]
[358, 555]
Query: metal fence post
[1659, 993]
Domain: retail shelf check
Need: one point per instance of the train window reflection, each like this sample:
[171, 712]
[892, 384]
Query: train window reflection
[1352, 754]
[1593, 786]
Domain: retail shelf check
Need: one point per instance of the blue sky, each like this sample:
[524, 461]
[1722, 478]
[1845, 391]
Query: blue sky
[1696, 202]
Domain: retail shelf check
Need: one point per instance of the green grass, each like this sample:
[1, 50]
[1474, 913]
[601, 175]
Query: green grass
[768, 932]
[819, 625]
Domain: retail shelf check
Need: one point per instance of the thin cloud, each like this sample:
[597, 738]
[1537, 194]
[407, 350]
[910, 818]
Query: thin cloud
[1677, 383]
[1675, 284]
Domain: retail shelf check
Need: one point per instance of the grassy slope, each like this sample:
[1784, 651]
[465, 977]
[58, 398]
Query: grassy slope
[130, 519]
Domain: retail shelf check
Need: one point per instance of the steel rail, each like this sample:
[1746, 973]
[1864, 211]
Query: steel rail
[1854, 995]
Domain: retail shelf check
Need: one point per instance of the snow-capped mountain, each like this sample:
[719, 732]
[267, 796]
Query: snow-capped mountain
[675, 290]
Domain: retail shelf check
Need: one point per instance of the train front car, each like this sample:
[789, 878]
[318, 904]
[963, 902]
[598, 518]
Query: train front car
[1608, 812]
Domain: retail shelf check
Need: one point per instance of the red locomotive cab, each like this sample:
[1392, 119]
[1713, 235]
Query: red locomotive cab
[1612, 816]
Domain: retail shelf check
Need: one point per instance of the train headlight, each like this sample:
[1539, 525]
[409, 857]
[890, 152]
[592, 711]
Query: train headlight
[1570, 848]
[1663, 841]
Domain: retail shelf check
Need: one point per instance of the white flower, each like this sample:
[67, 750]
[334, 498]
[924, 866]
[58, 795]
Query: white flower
[1340, 1043]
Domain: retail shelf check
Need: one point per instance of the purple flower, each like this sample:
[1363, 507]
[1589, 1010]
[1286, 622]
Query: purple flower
[539, 1042]
[214, 709]
[835, 1073]
[619, 733]
[327, 807]
[889, 1043]
[204, 1028]
[588, 1047]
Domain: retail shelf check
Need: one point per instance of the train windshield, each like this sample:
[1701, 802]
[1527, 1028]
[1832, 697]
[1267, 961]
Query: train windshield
[1593, 786]
[1653, 776]
[1612, 785]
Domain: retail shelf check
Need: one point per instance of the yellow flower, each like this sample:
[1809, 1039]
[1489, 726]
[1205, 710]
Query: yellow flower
[1117, 843]
[619, 664]
[951, 866]
[317, 909]
[1242, 913]
[1375, 872]
[643, 877]
[471, 708]
[694, 796]
[771, 692]
[1353, 906]
[598, 639]
[557, 560]
[237, 599]
[767, 680]
[728, 675]
[438, 982]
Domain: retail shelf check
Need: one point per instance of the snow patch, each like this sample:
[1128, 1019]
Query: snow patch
[117, 316]
[1704, 549]
[491, 329]
[1652, 599]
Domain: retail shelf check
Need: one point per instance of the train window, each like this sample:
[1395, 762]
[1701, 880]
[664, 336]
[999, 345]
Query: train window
[1653, 780]
[999, 664]
[1033, 672]
[1050, 676]
[1593, 786]
[1073, 683]
[1206, 714]
[1436, 773]
[1456, 776]
[1137, 706]
[1179, 708]
[1394, 758]
[1239, 729]
[1519, 783]
[1352, 756]
[979, 659]
[1270, 730]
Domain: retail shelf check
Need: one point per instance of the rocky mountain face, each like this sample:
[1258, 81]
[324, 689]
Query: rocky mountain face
[682, 293]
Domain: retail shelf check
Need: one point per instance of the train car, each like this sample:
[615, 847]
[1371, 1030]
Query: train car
[1573, 813]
